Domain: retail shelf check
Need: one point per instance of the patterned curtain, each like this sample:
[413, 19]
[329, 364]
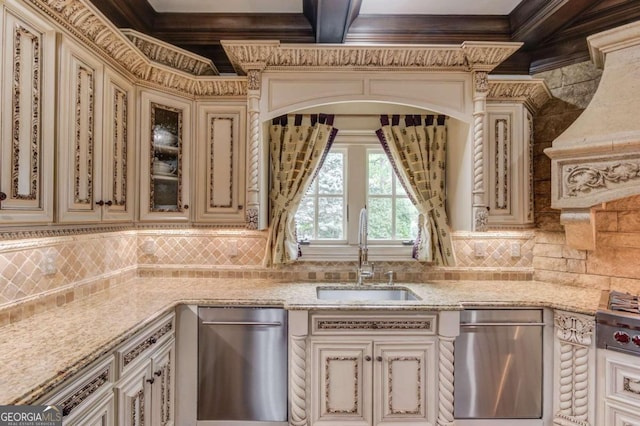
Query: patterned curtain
[418, 155]
[296, 153]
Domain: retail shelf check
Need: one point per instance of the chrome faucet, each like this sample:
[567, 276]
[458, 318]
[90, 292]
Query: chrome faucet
[365, 269]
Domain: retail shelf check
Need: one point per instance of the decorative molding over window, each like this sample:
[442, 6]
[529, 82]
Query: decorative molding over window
[534, 93]
[26, 137]
[172, 56]
[244, 56]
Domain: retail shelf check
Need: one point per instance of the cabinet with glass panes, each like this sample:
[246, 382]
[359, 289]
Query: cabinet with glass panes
[164, 160]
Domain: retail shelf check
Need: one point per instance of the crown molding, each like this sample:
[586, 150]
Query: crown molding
[534, 93]
[274, 56]
[84, 21]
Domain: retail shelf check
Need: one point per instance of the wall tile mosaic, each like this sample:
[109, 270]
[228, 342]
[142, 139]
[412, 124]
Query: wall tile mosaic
[38, 274]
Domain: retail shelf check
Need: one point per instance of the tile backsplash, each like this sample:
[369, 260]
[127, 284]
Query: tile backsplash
[40, 273]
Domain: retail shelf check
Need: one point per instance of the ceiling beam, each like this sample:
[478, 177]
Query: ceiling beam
[135, 14]
[533, 20]
[427, 29]
[331, 19]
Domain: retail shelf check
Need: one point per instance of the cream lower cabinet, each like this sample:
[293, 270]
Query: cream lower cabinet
[145, 389]
[618, 389]
[145, 394]
[373, 370]
[372, 382]
[88, 398]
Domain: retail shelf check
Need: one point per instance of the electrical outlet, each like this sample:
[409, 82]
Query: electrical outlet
[515, 250]
[48, 264]
[232, 248]
[149, 247]
[480, 249]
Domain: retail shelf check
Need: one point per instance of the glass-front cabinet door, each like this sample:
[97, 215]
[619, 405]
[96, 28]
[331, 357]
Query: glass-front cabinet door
[165, 140]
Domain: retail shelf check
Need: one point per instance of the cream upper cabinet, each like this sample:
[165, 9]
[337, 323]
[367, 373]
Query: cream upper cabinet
[118, 166]
[220, 163]
[28, 54]
[510, 167]
[80, 134]
[96, 143]
[165, 147]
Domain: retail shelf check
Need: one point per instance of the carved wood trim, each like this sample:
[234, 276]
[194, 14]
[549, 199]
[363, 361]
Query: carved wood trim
[327, 384]
[390, 362]
[30, 155]
[212, 143]
[152, 150]
[82, 19]
[84, 391]
[374, 324]
[120, 145]
[84, 135]
[502, 163]
[147, 343]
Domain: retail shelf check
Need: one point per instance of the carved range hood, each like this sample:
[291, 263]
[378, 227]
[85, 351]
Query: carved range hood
[597, 159]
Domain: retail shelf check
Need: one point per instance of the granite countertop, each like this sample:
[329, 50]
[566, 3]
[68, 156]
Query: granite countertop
[42, 351]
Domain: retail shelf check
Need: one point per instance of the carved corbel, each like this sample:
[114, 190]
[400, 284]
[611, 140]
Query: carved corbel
[579, 228]
[574, 402]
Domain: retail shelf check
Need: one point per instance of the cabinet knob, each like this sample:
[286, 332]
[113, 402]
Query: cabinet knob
[100, 203]
[367, 358]
[108, 203]
[151, 380]
[158, 373]
[186, 207]
[3, 196]
[152, 340]
[379, 358]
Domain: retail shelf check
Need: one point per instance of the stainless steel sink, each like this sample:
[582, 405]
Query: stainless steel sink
[366, 293]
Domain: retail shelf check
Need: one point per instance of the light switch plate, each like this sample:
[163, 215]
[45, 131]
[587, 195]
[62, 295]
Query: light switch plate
[515, 250]
[480, 249]
[232, 248]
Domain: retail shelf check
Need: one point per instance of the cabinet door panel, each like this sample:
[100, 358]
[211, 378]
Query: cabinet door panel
[80, 144]
[27, 121]
[404, 385]
[164, 164]
[118, 152]
[134, 398]
[220, 177]
[341, 383]
[162, 409]
[100, 414]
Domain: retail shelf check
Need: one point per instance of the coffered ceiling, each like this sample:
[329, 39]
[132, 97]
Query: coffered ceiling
[553, 31]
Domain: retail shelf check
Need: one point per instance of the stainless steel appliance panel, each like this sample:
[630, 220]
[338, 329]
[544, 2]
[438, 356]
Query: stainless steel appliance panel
[242, 364]
[498, 365]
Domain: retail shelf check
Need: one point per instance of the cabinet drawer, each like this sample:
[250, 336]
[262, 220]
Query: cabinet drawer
[359, 323]
[81, 392]
[623, 379]
[140, 347]
[618, 415]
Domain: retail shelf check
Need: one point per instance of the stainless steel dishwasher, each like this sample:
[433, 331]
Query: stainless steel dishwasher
[499, 365]
[242, 365]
